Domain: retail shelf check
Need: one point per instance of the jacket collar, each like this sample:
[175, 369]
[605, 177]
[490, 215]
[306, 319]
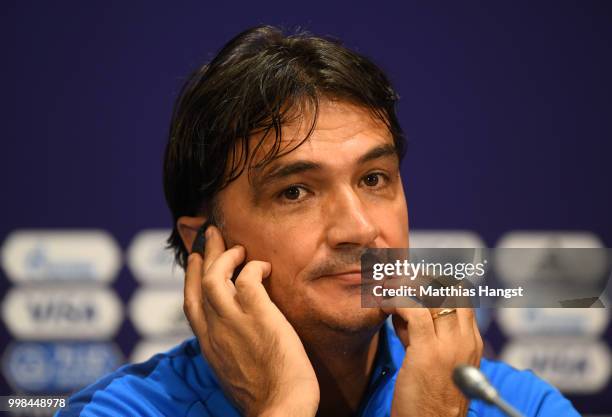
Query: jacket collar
[391, 351]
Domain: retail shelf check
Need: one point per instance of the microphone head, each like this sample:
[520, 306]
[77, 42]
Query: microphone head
[473, 383]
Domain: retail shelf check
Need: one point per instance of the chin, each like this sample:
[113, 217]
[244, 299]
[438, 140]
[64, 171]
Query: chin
[365, 319]
[346, 315]
[319, 310]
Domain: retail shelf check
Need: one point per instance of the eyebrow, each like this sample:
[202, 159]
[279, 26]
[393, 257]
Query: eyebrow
[297, 167]
[378, 152]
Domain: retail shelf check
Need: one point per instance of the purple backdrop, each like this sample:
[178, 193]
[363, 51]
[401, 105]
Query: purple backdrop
[507, 107]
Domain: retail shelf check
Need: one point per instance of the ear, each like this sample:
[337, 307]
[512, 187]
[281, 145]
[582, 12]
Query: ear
[188, 228]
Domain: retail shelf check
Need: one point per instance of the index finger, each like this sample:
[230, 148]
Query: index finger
[418, 328]
[214, 246]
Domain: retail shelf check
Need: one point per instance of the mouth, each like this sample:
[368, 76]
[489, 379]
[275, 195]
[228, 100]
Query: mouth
[352, 277]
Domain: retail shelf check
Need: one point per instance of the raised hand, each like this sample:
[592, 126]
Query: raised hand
[256, 354]
[434, 346]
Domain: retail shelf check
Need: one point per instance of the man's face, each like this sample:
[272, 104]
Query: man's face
[311, 213]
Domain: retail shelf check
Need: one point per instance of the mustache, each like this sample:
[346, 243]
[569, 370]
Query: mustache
[340, 261]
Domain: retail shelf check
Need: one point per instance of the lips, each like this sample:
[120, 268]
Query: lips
[350, 277]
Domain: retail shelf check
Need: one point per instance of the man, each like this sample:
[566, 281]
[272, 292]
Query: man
[288, 150]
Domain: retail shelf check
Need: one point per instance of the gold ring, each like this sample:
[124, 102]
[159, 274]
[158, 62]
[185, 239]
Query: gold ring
[443, 312]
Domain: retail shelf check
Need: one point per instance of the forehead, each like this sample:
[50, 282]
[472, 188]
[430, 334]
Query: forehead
[342, 133]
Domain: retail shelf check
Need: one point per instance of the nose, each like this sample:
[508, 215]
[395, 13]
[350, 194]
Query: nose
[349, 223]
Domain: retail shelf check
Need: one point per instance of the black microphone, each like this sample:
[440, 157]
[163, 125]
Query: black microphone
[473, 384]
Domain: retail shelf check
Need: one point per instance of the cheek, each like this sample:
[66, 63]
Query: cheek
[287, 283]
[393, 223]
[288, 249]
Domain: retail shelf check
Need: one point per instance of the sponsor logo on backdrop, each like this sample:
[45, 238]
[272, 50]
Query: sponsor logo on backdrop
[43, 367]
[553, 321]
[445, 239]
[549, 239]
[150, 261]
[147, 348]
[547, 263]
[69, 255]
[159, 312]
[572, 365]
[62, 313]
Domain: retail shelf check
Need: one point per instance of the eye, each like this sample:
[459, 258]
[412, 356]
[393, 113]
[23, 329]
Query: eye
[373, 179]
[292, 193]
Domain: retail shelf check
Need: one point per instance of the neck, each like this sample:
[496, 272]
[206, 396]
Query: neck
[343, 364]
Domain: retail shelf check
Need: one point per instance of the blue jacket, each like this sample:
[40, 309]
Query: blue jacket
[179, 383]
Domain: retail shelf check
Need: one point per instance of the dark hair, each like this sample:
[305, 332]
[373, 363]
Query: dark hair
[257, 82]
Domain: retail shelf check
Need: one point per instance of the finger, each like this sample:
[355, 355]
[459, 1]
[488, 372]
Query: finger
[217, 287]
[447, 326]
[479, 344]
[251, 293]
[192, 295]
[389, 303]
[466, 319]
[419, 325]
[214, 246]
[469, 334]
